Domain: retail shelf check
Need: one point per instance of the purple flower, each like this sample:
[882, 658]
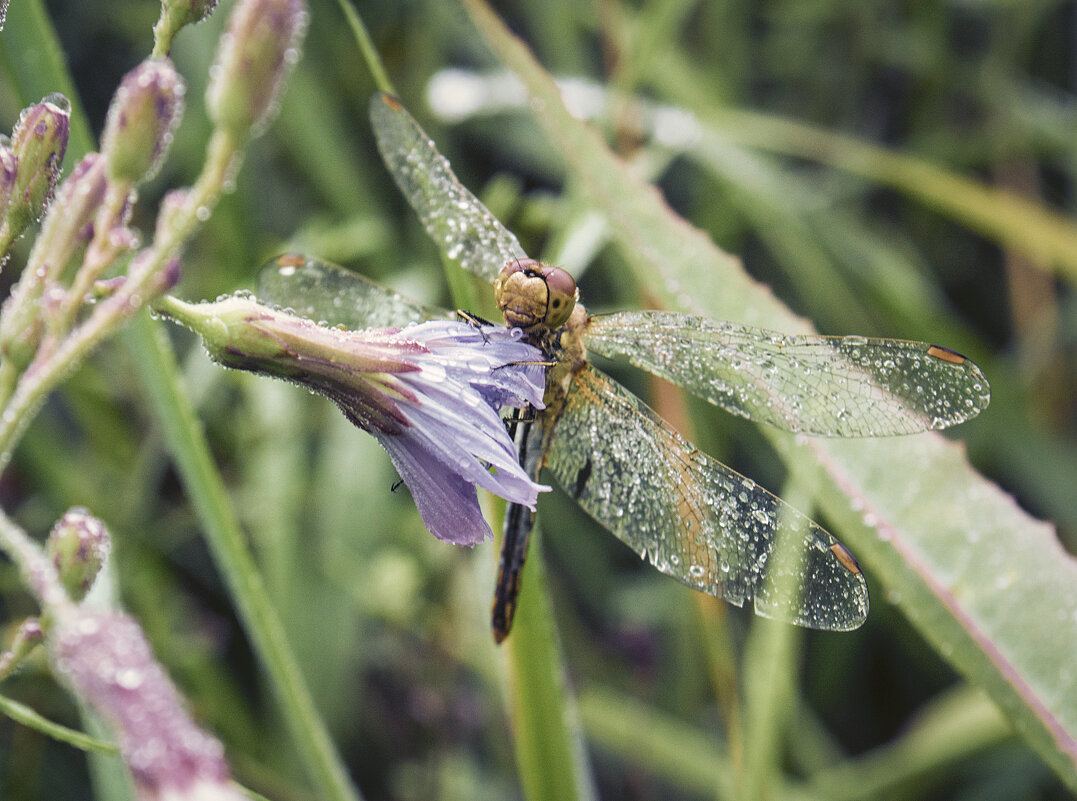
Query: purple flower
[454, 431]
[429, 393]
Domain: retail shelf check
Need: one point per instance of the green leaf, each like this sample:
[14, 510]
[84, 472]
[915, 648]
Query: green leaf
[550, 756]
[1046, 237]
[988, 586]
[28, 717]
[156, 366]
[33, 61]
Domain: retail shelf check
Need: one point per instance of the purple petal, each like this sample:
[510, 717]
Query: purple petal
[447, 503]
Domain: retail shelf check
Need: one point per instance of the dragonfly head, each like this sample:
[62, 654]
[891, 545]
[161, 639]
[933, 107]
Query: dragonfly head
[531, 293]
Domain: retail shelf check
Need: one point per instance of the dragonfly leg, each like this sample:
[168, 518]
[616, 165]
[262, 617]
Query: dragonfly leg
[475, 321]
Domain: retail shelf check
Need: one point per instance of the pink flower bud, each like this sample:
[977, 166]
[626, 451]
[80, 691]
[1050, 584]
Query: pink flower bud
[104, 657]
[68, 227]
[255, 55]
[9, 166]
[78, 546]
[38, 141]
[27, 637]
[144, 112]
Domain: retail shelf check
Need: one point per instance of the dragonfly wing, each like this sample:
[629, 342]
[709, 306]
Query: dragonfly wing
[694, 518]
[828, 386]
[464, 229]
[325, 292]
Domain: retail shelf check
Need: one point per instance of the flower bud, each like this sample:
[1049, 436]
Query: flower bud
[68, 226]
[38, 141]
[78, 546]
[70, 221]
[255, 55]
[105, 659]
[144, 112]
[9, 166]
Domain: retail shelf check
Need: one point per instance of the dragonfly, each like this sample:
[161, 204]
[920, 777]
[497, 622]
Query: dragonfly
[692, 517]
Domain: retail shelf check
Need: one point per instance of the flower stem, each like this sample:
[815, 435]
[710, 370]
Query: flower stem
[37, 569]
[366, 47]
[157, 367]
[143, 282]
[549, 750]
[99, 256]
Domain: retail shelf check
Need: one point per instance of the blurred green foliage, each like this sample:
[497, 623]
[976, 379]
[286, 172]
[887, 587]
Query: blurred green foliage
[391, 625]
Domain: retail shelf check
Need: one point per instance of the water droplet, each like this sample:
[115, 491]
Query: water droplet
[130, 678]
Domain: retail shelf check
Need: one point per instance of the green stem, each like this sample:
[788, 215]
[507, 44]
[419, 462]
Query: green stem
[20, 713]
[7, 239]
[143, 282]
[549, 752]
[99, 256]
[37, 569]
[8, 376]
[157, 367]
[366, 47]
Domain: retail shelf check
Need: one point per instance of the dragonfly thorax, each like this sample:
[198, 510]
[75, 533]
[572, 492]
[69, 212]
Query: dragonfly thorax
[530, 293]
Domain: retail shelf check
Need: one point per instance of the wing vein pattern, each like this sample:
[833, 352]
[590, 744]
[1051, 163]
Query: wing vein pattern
[692, 517]
[822, 385]
[462, 227]
[332, 295]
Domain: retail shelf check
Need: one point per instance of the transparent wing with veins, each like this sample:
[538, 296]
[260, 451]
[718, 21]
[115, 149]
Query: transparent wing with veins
[822, 385]
[453, 217]
[327, 293]
[694, 518]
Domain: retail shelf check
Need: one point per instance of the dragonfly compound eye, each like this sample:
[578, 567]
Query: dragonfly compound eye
[562, 295]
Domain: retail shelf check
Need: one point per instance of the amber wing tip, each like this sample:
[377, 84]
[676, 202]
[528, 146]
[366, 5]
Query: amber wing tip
[946, 355]
[391, 101]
